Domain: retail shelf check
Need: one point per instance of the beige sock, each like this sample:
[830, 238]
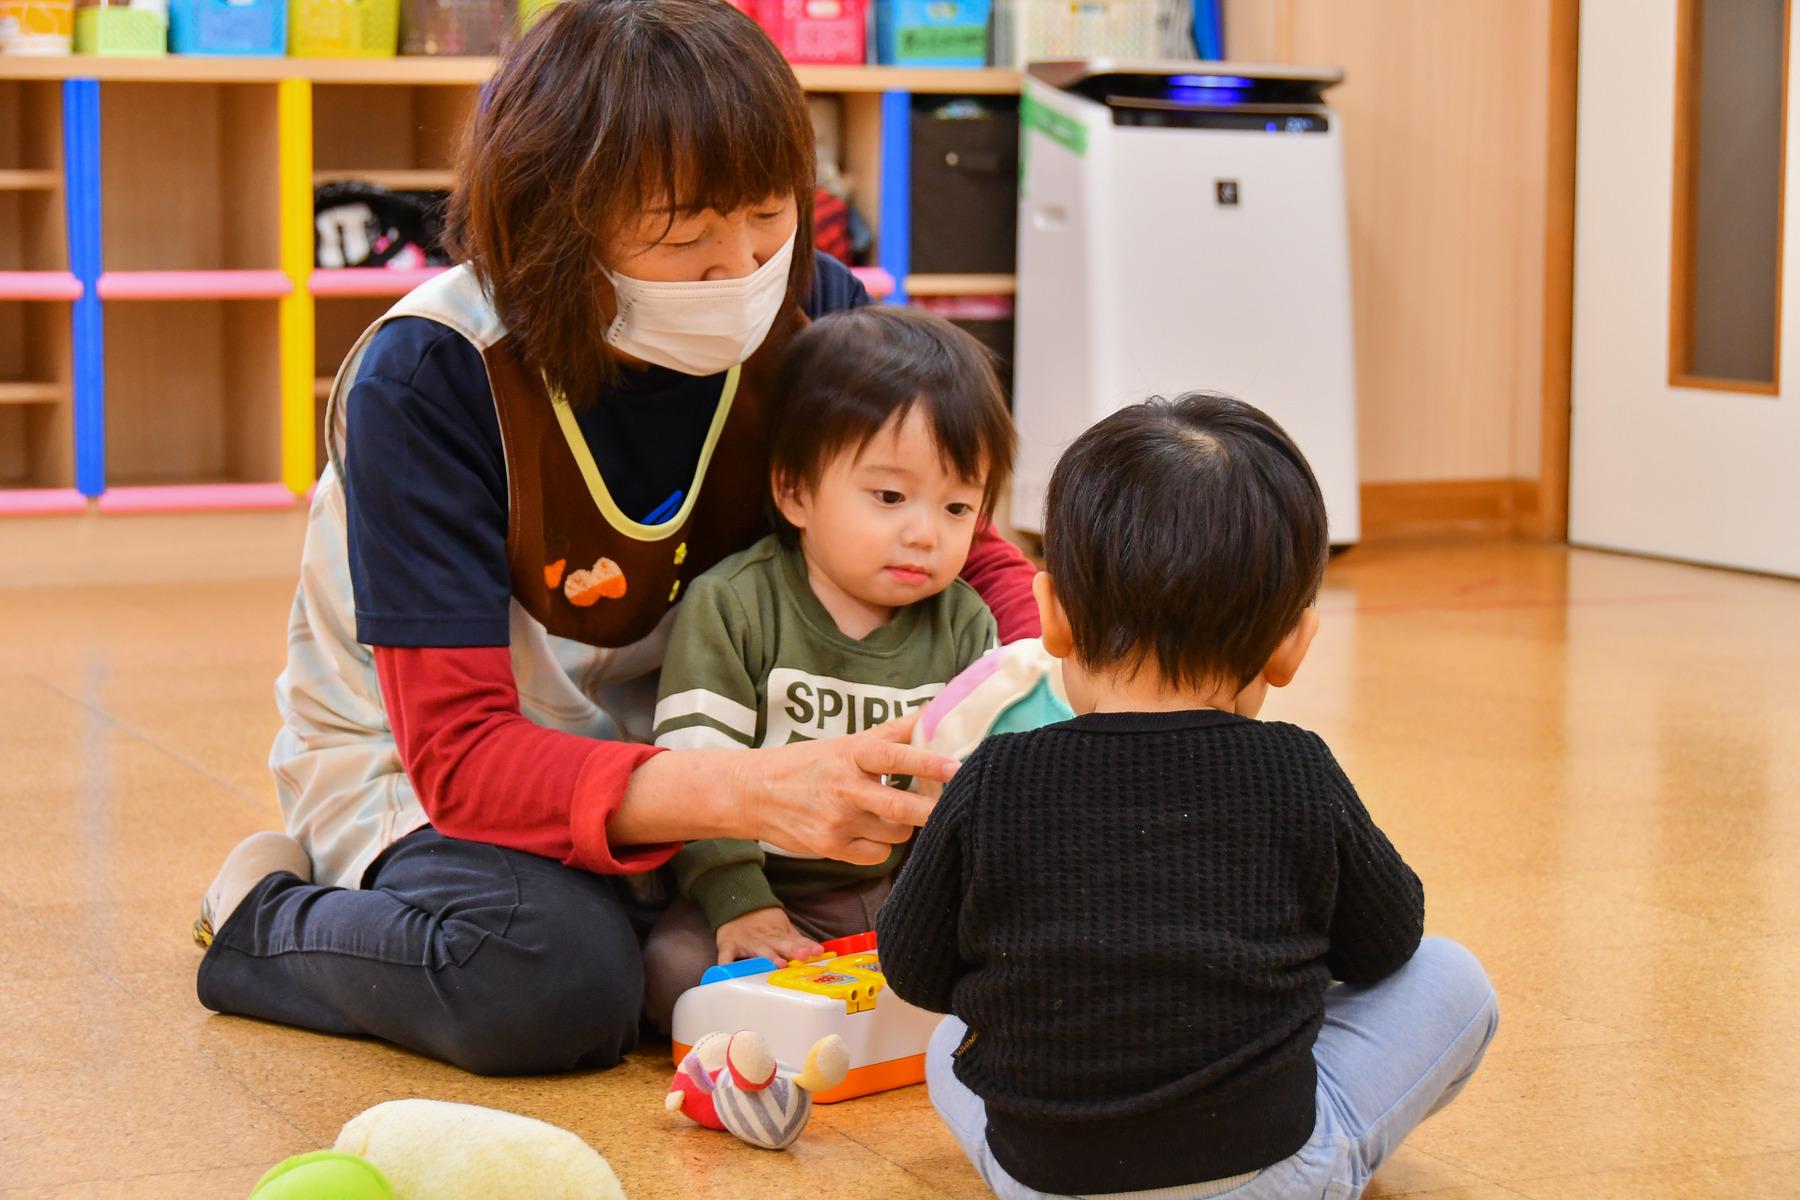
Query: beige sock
[253, 860]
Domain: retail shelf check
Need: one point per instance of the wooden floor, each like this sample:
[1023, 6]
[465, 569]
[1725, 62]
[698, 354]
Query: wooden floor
[1593, 761]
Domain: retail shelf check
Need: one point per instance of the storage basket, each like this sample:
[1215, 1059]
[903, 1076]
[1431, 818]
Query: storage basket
[829, 32]
[1026, 30]
[932, 33]
[247, 27]
[37, 26]
[138, 30]
[344, 28]
[453, 26]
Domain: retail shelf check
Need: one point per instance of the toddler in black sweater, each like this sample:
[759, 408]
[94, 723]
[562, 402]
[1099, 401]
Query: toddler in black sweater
[1136, 917]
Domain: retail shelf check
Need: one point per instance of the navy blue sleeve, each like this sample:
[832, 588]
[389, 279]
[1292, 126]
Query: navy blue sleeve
[425, 484]
[834, 287]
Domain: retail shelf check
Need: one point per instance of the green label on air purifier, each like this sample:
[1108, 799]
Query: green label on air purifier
[1065, 131]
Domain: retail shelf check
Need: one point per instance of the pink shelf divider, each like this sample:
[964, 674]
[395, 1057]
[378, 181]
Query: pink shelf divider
[878, 281]
[193, 285]
[196, 497]
[369, 281]
[39, 285]
[40, 502]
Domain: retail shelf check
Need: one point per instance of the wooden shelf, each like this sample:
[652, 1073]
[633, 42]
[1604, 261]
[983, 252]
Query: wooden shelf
[32, 393]
[194, 285]
[432, 70]
[394, 181]
[30, 181]
[196, 497]
[39, 285]
[41, 502]
[961, 285]
[369, 281]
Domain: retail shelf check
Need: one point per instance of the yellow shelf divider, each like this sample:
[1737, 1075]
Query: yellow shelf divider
[298, 410]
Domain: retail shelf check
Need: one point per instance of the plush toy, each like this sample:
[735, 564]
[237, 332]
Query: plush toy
[732, 1082]
[1014, 688]
[432, 1150]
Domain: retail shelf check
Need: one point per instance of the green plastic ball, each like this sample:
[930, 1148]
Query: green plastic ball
[323, 1175]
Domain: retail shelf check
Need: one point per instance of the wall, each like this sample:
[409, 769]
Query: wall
[1445, 118]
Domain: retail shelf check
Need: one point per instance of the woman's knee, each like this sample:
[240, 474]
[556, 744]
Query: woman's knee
[562, 990]
[578, 1009]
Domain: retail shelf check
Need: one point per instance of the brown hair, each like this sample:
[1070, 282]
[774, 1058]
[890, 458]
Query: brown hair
[848, 374]
[605, 109]
[1186, 533]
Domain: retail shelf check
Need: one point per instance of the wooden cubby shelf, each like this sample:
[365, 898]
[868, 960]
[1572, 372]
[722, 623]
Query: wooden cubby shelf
[14, 180]
[961, 285]
[165, 338]
[194, 285]
[39, 285]
[425, 180]
[472, 71]
[368, 281]
[32, 393]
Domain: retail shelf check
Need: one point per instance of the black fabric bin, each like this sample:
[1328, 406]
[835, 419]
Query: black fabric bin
[965, 185]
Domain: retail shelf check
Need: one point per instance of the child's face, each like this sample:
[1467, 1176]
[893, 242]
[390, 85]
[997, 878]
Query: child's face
[891, 525]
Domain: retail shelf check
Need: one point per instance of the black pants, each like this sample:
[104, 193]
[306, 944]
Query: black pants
[498, 961]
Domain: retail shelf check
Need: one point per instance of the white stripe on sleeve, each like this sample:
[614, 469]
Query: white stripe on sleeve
[711, 705]
[699, 737]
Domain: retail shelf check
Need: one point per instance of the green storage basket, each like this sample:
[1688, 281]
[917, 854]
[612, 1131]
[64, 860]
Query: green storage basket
[133, 32]
[344, 28]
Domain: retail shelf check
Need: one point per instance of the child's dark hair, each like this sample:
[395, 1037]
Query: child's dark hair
[848, 374]
[604, 110]
[1188, 534]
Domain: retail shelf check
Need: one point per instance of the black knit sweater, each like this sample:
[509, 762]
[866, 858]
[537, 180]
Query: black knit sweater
[1137, 915]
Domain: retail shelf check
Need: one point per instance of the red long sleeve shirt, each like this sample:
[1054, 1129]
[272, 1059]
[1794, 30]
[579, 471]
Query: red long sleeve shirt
[485, 772]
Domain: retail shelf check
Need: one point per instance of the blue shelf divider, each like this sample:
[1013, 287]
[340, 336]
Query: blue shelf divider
[81, 177]
[894, 243]
[1209, 29]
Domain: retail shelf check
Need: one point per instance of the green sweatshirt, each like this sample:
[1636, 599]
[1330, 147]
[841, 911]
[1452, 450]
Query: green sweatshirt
[755, 660]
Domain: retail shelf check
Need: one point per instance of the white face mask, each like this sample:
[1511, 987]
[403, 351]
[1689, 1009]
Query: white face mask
[699, 327]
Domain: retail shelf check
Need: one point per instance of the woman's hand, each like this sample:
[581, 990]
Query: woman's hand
[822, 798]
[827, 798]
[765, 933]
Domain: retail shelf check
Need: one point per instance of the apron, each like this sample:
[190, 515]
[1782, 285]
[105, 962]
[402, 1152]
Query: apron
[593, 590]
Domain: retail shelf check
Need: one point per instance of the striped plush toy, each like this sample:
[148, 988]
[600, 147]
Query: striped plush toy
[732, 1082]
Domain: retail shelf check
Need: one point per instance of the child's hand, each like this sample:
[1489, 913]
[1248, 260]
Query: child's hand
[765, 933]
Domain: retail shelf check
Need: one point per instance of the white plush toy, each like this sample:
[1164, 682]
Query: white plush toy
[432, 1150]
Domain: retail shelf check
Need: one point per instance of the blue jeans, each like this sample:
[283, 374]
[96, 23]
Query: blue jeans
[1389, 1056]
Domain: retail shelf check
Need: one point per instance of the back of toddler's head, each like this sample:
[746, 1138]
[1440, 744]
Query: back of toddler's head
[1187, 536]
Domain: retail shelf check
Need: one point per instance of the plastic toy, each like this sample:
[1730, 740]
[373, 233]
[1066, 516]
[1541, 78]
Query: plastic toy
[732, 1082]
[1014, 688]
[432, 1150]
[323, 1173]
[797, 1006]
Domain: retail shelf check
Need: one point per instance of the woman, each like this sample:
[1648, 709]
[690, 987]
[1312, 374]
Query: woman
[529, 457]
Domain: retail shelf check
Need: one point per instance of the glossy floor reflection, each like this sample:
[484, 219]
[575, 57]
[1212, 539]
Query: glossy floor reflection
[1590, 759]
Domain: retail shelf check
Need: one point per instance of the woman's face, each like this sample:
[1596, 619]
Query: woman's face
[703, 246]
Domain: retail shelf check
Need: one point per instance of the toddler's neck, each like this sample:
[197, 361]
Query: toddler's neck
[855, 618]
[1148, 691]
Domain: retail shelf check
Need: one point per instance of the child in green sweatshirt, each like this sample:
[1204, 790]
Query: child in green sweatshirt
[890, 442]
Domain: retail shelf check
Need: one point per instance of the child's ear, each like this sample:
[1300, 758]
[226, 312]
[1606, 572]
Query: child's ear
[1059, 640]
[788, 500]
[1284, 664]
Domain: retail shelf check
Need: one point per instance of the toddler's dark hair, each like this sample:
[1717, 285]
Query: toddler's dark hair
[849, 373]
[1188, 534]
